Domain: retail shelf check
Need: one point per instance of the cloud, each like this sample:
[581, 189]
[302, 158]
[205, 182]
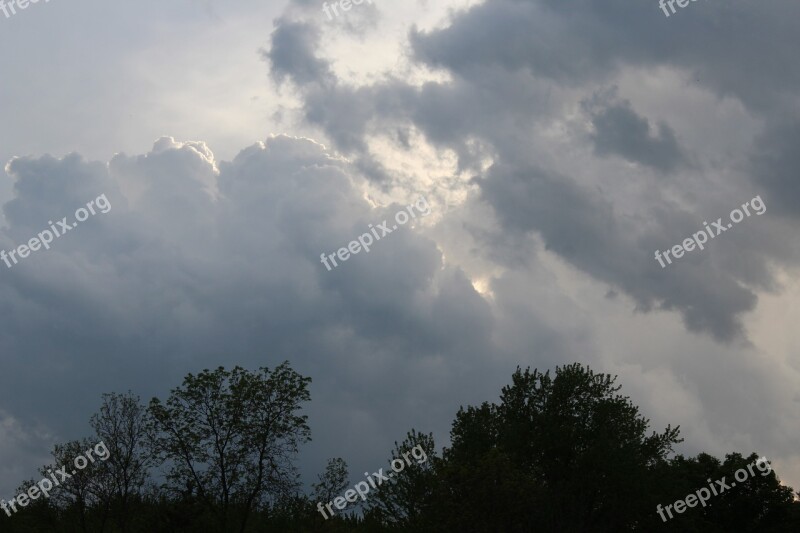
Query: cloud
[19, 447]
[503, 101]
[292, 53]
[775, 165]
[510, 88]
[620, 131]
[203, 262]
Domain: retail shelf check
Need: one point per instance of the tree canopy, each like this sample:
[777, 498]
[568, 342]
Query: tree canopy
[564, 452]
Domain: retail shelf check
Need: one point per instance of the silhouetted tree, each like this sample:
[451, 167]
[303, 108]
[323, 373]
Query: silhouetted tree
[120, 424]
[332, 482]
[403, 502]
[232, 437]
[757, 504]
[75, 490]
[560, 453]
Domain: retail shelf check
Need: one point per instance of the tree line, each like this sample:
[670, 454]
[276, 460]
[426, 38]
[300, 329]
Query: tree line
[562, 451]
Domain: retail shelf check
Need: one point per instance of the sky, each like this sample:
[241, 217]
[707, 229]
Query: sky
[558, 143]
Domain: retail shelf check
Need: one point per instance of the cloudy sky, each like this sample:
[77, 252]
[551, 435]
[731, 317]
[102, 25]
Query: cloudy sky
[559, 143]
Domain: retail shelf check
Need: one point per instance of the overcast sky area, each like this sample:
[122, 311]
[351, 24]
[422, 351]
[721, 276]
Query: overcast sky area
[559, 144]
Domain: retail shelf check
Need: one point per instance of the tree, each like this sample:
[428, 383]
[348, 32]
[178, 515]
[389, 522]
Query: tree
[38, 515]
[404, 502]
[556, 453]
[756, 502]
[564, 453]
[121, 424]
[78, 489]
[332, 482]
[232, 436]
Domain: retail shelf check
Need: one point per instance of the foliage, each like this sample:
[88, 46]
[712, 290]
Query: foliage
[230, 437]
[559, 453]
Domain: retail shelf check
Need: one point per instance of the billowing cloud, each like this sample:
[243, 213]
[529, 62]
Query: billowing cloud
[202, 262]
[495, 106]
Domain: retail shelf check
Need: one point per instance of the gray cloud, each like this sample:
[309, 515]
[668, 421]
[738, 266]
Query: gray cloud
[587, 233]
[619, 130]
[201, 263]
[502, 93]
[583, 41]
[775, 165]
[292, 53]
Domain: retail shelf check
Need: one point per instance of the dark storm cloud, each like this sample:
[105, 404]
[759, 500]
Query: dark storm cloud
[342, 112]
[293, 53]
[730, 47]
[194, 267]
[775, 165]
[502, 91]
[619, 130]
[585, 231]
